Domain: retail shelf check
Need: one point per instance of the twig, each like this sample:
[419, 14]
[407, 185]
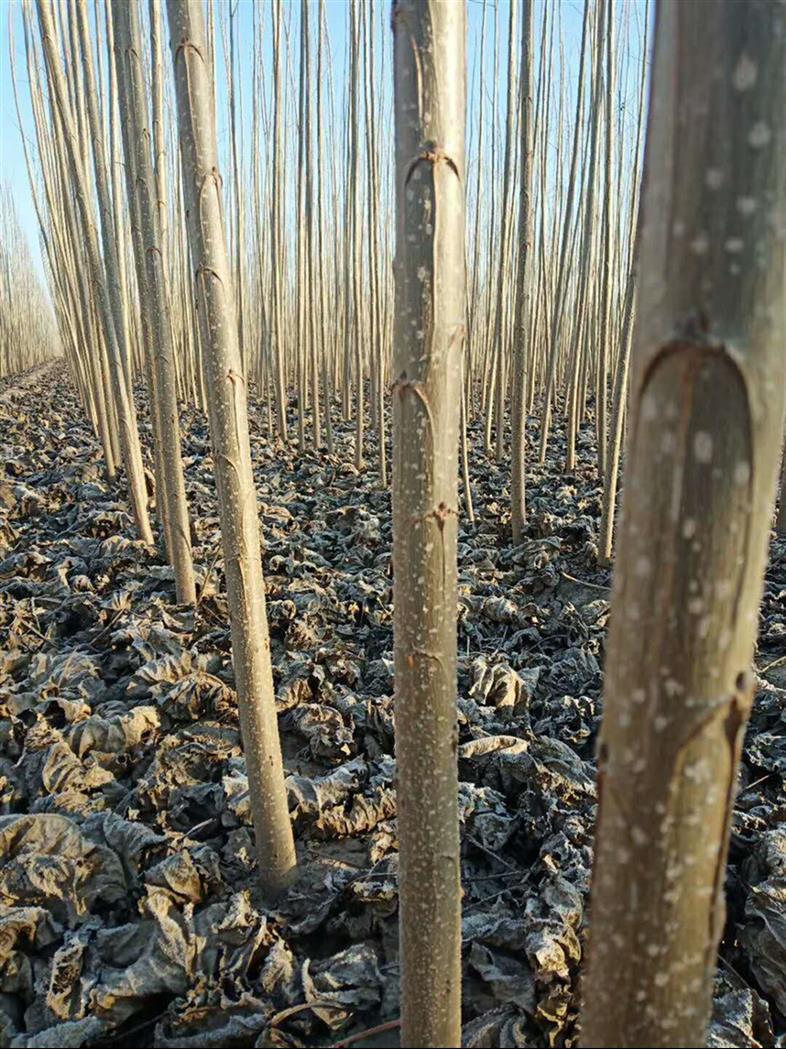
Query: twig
[34, 630]
[584, 582]
[287, 1014]
[488, 899]
[124, 1035]
[756, 782]
[490, 877]
[731, 969]
[391, 1025]
[773, 663]
[108, 626]
[208, 575]
[494, 855]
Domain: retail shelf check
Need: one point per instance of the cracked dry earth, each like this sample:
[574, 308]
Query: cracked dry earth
[128, 913]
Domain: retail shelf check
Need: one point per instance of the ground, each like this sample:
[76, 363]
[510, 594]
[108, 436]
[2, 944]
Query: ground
[128, 909]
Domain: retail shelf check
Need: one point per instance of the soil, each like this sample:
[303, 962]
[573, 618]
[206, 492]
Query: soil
[129, 914]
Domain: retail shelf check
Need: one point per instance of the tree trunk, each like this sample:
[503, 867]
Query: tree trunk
[429, 58]
[153, 293]
[707, 403]
[227, 407]
[354, 191]
[129, 434]
[522, 326]
[276, 225]
[606, 540]
[781, 520]
[604, 344]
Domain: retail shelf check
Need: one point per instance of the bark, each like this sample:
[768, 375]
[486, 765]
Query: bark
[588, 232]
[604, 345]
[320, 221]
[568, 248]
[238, 225]
[303, 286]
[429, 59]
[619, 405]
[227, 406]
[119, 102]
[707, 404]
[354, 193]
[465, 478]
[506, 235]
[153, 292]
[103, 283]
[276, 225]
[518, 450]
[606, 541]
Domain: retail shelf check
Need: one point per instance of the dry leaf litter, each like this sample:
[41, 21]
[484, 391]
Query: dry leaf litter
[128, 908]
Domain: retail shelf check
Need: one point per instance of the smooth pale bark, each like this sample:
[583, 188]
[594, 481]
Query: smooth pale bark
[27, 321]
[143, 316]
[64, 225]
[228, 412]
[238, 225]
[153, 292]
[119, 225]
[606, 540]
[566, 254]
[155, 15]
[302, 286]
[355, 217]
[87, 145]
[707, 406]
[429, 57]
[604, 344]
[321, 303]
[372, 245]
[465, 478]
[348, 231]
[311, 275]
[68, 318]
[500, 344]
[487, 399]
[619, 405]
[276, 224]
[586, 267]
[474, 296]
[128, 432]
[518, 449]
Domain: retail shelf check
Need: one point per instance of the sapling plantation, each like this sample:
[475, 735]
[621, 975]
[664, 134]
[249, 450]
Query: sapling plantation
[393, 523]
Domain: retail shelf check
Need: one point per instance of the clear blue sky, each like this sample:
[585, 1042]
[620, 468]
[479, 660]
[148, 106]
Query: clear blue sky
[12, 164]
[12, 167]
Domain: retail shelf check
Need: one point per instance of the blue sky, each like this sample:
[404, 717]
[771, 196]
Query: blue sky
[12, 167]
